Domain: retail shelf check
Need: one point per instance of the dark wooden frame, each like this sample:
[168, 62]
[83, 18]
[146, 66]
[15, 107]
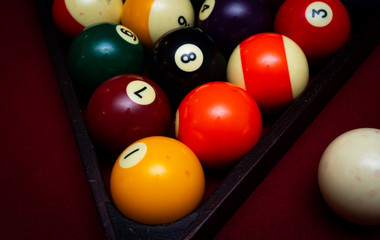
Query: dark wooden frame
[211, 215]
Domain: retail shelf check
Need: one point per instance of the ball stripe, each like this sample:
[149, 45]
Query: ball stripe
[133, 10]
[297, 65]
[64, 21]
[266, 75]
[91, 12]
[235, 70]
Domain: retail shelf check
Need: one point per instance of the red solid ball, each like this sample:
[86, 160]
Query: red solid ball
[125, 109]
[320, 28]
[220, 122]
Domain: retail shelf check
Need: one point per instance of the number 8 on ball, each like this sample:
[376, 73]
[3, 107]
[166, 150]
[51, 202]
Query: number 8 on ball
[188, 57]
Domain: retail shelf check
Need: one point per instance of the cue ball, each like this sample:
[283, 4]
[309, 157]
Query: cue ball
[349, 176]
[220, 122]
[157, 180]
[271, 67]
[320, 28]
[150, 19]
[102, 51]
[126, 108]
[72, 16]
[183, 59]
[228, 22]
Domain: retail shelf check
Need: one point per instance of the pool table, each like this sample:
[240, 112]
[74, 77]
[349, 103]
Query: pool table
[44, 189]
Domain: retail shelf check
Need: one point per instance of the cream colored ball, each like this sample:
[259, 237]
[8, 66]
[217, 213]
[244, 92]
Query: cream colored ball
[349, 176]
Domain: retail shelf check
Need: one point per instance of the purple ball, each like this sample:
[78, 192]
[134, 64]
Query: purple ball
[229, 22]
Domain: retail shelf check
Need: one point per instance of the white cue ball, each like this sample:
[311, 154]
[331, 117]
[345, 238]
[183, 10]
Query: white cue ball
[349, 176]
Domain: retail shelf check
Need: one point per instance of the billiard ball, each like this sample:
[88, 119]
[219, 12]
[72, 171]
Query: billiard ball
[228, 22]
[126, 108]
[157, 180]
[220, 122]
[102, 51]
[272, 68]
[320, 28]
[150, 19]
[72, 16]
[349, 176]
[183, 59]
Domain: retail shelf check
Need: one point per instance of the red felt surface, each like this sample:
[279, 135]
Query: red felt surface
[44, 190]
[288, 204]
[43, 186]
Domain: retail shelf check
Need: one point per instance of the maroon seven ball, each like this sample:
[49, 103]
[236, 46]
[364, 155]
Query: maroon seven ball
[125, 109]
